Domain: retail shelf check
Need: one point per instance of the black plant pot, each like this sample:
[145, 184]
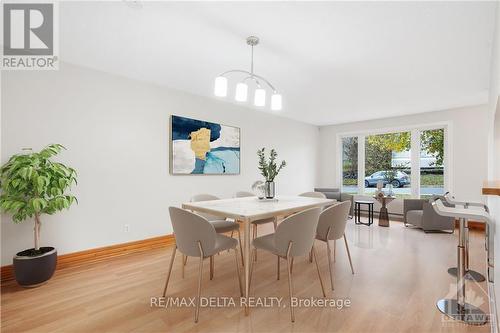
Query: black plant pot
[32, 271]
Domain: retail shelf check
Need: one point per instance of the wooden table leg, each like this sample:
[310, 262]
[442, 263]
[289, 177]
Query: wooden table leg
[246, 256]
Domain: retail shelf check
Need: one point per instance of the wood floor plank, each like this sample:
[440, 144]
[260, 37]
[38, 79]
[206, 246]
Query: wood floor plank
[400, 274]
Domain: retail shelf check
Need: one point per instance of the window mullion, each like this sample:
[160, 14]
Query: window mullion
[415, 163]
[361, 164]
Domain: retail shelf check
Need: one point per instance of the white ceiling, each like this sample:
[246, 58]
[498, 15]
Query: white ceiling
[334, 62]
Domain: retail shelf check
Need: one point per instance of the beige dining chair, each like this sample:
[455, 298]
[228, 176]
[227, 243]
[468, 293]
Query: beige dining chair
[221, 225]
[255, 224]
[294, 236]
[318, 195]
[331, 226]
[195, 236]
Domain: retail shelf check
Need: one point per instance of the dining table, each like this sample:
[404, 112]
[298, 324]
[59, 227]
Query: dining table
[248, 209]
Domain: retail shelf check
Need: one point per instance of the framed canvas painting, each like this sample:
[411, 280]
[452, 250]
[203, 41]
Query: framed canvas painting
[200, 147]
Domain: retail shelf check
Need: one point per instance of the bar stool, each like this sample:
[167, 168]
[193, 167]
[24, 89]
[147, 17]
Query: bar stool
[458, 309]
[471, 274]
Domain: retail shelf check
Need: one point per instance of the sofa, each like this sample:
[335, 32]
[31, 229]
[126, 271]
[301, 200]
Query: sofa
[420, 214]
[335, 193]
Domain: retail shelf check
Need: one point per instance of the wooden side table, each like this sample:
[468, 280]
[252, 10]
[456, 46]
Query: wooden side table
[383, 216]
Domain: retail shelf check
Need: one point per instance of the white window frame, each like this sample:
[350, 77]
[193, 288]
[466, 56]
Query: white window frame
[415, 153]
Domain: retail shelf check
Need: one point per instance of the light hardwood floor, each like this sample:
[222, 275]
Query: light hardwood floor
[400, 273]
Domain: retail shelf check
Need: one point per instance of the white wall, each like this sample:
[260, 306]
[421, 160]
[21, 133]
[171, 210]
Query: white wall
[469, 137]
[116, 131]
[494, 162]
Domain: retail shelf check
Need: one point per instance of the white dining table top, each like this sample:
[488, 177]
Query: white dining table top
[251, 208]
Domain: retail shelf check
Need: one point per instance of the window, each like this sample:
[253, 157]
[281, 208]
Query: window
[431, 162]
[385, 162]
[350, 164]
[411, 161]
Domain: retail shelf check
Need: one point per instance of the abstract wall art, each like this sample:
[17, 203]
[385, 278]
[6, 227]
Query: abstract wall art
[202, 147]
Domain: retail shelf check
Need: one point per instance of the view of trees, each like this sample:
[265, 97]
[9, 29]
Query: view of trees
[433, 142]
[350, 159]
[379, 148]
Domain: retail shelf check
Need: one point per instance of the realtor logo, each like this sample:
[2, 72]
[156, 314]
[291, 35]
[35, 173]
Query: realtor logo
[29, 32]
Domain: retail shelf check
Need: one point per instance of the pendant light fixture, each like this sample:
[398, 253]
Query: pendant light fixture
[241, 94]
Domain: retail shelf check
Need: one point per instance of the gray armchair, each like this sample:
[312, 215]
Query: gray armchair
[419, 213]
[334, 193]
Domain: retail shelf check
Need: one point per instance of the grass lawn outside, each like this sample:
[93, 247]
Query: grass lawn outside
[426, 180]
[429, 180]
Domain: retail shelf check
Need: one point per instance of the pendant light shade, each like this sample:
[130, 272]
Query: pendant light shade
[241, 92]
[276, 102]
[260, 97]
[220, 89]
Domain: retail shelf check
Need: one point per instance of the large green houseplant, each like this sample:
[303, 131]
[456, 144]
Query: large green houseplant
[269, 169]
[33, 184]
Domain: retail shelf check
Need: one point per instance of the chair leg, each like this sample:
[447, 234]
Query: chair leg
[238, 270]
[197, 311]
[232, 232]
[291, 266]
[183, 263]
[319, 273]
[169, 270]
[255, 236]
[241, 249]
[335, 251]
[278, 269]
[275, 223]
[310, 256]
[211, 267]
[290, 286]
[348, 254]
[330, 268]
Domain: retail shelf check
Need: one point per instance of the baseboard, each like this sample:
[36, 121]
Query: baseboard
[476, 225]
[98, 254]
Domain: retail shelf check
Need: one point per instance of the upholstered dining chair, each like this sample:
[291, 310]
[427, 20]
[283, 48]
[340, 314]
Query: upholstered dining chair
[331, 226]
[195, 236]
[221, 225]
[294, 236]
[318, 195]
[255, 224]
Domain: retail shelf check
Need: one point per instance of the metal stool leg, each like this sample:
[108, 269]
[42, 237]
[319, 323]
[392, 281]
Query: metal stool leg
[458, 309]
[471, 274]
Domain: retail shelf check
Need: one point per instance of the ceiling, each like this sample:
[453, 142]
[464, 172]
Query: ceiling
[333, 62]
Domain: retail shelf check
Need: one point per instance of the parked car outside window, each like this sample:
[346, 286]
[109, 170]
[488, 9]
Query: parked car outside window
[400, 179]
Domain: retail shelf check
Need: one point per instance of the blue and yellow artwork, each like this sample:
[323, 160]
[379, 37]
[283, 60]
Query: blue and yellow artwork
[202, 147]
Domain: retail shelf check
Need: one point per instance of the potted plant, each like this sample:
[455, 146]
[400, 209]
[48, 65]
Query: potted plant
[269, 169]
[32, 184]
